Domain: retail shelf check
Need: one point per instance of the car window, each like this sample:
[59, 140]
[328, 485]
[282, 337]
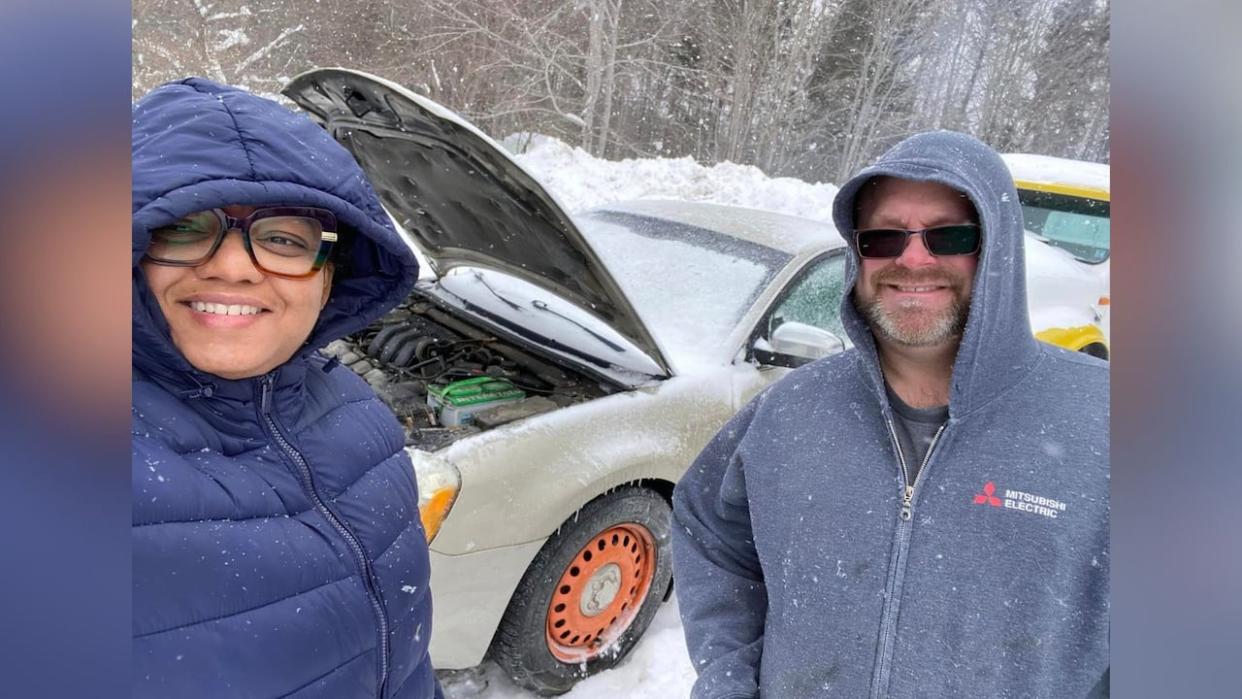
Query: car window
[1076, 224]
[815, 298]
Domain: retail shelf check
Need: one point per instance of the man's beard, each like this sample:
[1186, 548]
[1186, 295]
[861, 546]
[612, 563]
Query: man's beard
[912, 325]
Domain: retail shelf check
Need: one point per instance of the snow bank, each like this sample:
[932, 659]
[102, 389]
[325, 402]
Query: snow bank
[581, 181]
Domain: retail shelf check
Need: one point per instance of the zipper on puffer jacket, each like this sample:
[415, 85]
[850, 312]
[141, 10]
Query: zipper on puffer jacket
[360, 558]
[897, 563]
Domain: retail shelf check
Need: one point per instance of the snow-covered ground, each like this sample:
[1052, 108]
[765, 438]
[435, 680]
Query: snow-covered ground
[659, 667]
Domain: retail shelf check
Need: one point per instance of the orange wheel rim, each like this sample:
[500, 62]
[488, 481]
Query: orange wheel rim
[600, 592]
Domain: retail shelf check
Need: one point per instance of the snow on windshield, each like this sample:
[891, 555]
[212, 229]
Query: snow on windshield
[690, 285]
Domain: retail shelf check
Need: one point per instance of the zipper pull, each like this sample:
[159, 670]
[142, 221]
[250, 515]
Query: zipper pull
[265, 402]
[907, 504]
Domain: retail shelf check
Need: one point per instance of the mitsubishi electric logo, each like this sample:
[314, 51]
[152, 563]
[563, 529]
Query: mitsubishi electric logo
[1018, 500]
[988, 495]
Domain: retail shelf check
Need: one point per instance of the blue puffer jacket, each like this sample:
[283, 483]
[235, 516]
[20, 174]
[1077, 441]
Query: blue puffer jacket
[277, 549]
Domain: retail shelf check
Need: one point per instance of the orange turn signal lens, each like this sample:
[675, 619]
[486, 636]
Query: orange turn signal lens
[439, 482]
[435, 510]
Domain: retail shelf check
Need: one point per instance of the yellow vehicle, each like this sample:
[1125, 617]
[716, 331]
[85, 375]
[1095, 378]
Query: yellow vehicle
[1066, 206]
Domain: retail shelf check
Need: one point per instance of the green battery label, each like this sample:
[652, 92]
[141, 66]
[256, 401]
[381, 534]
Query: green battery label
[480, 389]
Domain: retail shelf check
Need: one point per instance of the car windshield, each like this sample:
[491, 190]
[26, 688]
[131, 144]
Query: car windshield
[1076, 224]
[690, 285]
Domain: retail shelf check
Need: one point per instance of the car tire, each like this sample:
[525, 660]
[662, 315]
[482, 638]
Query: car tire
[589, 594]
[1097, 350]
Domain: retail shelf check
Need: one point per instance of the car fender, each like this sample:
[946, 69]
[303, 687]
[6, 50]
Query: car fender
[521, 481]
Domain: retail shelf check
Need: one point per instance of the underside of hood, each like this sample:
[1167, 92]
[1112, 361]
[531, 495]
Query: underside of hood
[462, 199]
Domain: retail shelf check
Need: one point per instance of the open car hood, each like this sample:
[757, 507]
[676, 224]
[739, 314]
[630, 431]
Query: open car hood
[460, 196]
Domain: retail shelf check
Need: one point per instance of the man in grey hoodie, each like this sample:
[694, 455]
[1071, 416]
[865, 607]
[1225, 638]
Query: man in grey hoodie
[926, 514]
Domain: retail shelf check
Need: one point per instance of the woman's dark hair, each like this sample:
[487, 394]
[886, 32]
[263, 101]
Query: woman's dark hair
[342, 254]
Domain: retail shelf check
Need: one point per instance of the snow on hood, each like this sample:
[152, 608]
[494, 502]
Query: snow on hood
[1052, 170]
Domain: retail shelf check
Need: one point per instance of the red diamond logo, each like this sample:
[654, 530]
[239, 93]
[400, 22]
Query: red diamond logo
[988, 495]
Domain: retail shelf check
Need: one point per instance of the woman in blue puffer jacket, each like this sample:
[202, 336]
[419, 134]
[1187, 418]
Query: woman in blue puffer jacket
[277, 548]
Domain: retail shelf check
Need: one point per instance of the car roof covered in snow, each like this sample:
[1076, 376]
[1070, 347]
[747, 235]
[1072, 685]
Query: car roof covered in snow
[1046, 173]
[793, 235]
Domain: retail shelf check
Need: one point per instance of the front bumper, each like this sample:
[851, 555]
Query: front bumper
[469, 594]
[1073, 338]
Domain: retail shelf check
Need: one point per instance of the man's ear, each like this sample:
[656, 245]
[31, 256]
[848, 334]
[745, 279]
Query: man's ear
[328, 269]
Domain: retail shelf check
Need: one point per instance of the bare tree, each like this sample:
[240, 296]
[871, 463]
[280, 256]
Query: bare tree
[226, 41]
[1071, 84]
[811, 88]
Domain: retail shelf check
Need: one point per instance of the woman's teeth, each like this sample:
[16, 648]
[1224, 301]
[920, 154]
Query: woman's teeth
[225, 309]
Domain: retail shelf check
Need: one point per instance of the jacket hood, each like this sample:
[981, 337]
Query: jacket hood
[199, 145]
[998, 347]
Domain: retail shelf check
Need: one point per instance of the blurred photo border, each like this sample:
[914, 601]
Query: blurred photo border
[64, 184]
[1177, 372]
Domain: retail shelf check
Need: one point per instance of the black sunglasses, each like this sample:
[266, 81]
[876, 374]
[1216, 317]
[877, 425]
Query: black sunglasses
[956, 239]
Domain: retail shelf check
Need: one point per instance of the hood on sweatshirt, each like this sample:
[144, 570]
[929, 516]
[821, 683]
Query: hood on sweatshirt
[200, 145]
[997, 348]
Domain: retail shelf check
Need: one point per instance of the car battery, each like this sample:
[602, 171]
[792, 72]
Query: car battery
[456, 403]
[504, 413]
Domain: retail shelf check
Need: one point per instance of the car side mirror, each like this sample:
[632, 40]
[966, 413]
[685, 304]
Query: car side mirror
[793, 344]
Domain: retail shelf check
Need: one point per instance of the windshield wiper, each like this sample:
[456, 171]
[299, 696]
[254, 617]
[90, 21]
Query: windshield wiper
[543, 306]
[478, 276]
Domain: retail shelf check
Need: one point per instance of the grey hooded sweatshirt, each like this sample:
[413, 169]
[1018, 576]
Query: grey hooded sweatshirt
[802, 573]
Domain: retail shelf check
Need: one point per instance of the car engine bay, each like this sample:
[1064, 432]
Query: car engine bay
[447, 379]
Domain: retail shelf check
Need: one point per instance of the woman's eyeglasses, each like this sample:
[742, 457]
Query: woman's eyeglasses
[285, 241]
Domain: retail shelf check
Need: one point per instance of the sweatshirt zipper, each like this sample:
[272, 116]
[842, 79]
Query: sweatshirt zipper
[896, 576]
[368, 576]
[907, 499]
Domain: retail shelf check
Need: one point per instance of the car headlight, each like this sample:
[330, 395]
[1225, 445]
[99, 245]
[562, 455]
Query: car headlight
[438, 484]
[1100, 306]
